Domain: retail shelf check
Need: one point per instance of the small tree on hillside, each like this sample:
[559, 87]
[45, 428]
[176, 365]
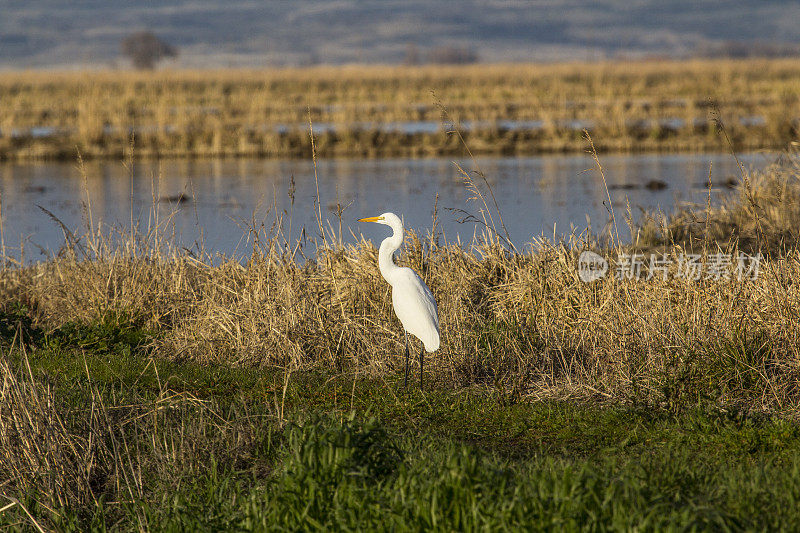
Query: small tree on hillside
[145, 49]
[412, 55]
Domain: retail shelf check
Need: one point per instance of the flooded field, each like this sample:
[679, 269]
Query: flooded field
[401, 112]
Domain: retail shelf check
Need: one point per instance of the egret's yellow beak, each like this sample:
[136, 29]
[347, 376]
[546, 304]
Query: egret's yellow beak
[370, 219]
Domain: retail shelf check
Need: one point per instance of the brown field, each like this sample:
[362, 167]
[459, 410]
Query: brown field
[631, 106]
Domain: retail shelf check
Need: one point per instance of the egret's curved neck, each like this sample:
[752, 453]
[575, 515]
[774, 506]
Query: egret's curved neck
[386, 252]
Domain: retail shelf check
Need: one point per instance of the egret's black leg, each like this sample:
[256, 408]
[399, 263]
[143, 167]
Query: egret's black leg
[405, 381]
[421, 359]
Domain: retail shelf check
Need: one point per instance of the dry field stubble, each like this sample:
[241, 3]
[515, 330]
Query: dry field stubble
[520, 323]
[379, 111]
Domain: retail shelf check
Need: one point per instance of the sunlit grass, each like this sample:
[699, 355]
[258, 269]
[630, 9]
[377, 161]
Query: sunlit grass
[656, 105]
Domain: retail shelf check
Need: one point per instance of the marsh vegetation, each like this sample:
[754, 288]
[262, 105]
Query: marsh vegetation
[400, 111]
[144, 386]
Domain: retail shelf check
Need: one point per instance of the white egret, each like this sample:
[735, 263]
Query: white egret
[412, 300]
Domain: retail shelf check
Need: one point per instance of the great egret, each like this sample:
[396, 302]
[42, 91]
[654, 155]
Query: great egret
[412, 300]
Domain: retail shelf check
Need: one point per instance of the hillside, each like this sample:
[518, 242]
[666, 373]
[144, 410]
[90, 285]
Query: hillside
[246, 33]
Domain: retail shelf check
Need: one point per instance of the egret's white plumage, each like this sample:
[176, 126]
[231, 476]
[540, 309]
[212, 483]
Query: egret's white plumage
[412, 300]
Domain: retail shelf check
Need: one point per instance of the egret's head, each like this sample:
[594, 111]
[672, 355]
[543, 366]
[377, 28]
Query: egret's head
[388, 219]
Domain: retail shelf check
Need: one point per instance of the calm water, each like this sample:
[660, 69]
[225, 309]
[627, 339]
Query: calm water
[537, 195]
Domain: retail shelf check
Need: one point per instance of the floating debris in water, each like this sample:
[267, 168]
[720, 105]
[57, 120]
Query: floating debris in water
[176, 198]
[656, 185]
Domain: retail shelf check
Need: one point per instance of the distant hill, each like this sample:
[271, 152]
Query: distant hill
[43, 33]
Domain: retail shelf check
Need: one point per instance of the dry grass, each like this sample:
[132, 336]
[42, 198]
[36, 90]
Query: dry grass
[67, 455]
[522, 323]
[37, 450]
[630, 106]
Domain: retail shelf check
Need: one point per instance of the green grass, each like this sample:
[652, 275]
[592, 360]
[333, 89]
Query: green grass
[213, 452]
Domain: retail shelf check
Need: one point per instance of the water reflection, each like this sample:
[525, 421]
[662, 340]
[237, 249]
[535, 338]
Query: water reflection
[537, 195]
